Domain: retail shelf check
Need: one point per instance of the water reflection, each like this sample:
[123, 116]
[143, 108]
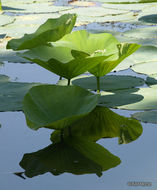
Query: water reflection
[73, 155]
[74, 149]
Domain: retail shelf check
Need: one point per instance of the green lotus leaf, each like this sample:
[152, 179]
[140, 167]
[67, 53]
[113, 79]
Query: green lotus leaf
[103, 43]
[89, 43]
[12, 93]
[120, 98]
[73, 155]
[51, 30]
[56, 107]
[146, 116]
[102, 123]
[107, 83]
[124, 50]
[0, 6]
[60, 61]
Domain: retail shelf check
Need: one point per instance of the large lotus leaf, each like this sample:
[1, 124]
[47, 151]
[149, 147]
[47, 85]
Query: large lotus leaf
[51, 30]
[146, 68]
[45, 53]
[89, 43]
[148, 102]
[103, 123]
[120, 98]
[151, 79]
[149, 18]
[107, 83]
[60, 61]
[125, 49]
[4, 20]
[74, 155]
[55, 107]
[12, 93]
[146, 116]
[142, 33]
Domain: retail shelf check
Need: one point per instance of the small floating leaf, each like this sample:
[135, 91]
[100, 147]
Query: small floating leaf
[146, 116]
[120, 98]
[12, 93]
[148, 102]
[148, 68]
[107, 83]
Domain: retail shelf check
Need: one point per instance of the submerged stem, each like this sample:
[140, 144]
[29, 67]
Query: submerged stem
[98, 84]
[69, 131]
[61, 136]
[60, 78]
[69, 82]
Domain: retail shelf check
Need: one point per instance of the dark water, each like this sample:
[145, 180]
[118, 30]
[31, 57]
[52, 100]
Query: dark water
[139, 158]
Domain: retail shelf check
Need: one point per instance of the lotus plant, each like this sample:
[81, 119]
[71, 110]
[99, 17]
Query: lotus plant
[60, 61]
[83, 44]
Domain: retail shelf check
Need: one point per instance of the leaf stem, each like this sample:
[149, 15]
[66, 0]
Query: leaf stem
[98, 85]
[69, 131]
[69, 82]
[0, 6]
[61, 136]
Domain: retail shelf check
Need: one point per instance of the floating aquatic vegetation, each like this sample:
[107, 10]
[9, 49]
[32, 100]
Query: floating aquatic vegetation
[12, 93]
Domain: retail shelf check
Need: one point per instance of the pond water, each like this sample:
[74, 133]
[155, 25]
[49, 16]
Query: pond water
[138, 158]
